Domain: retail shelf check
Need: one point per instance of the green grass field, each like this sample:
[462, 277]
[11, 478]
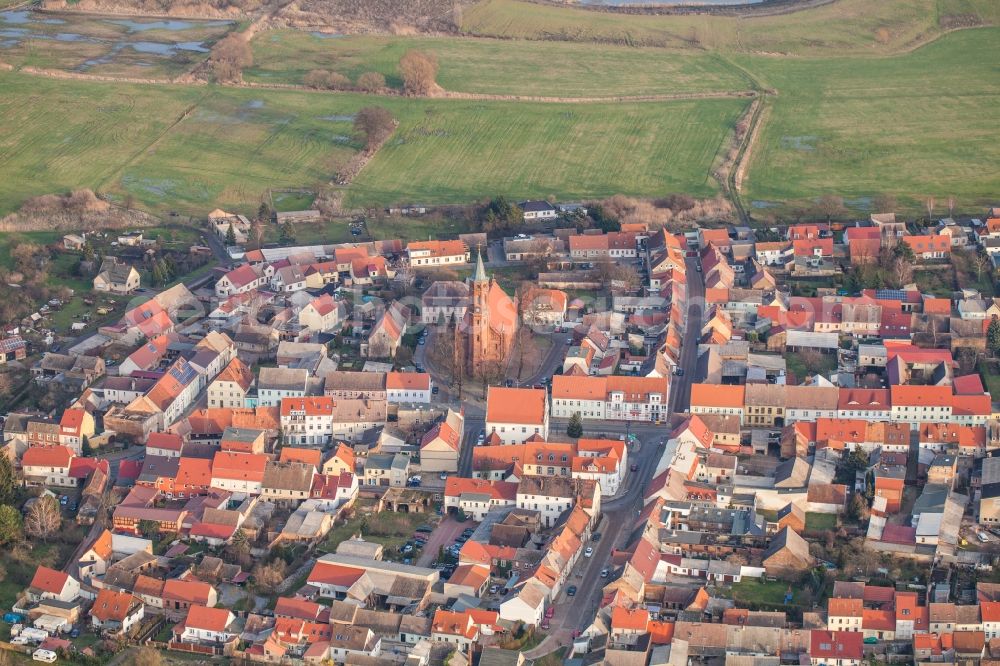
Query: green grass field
[190, 149]
[457, 151]
[913, 126]
[846, 26]
[556, 69]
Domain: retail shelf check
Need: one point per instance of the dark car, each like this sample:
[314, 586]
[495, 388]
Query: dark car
[596, 537]
[571, 591]
[425, 528]
[435, 390]
[634, 467]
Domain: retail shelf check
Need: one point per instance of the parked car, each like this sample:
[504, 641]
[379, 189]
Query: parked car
[595, 537]
[481, 437]
[550, 611]
[634, 467]
[571, 591]
[494, 589]
[588, 552]
[425, 528]
[604, 572]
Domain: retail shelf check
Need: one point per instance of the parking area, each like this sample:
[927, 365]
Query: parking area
[444, 535]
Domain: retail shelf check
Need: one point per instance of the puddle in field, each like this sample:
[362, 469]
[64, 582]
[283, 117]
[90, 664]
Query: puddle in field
[799, 142]
[255, 104]
[326, 35]
[764, 204]
[340, 138]
[172, 25]
[339, 119]
[23, 16]
[859, 203]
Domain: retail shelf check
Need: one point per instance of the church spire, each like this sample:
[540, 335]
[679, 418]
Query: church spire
[480, 274]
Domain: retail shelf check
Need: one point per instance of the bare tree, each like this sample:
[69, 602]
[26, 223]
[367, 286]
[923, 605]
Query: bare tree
[376, 124]
[419, 72]
[43, 519]
[268, 577]
[830, 206]
[885, 203]
[902, 272]
[371, 81]
[951, 205]
[229, 56]
[929, 204]
[146, 656]
[980, 261]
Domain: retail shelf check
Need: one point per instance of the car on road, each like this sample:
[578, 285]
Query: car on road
[679, 372]
[569, 341]
[481, 438]
[434, 391]
[588, 552]
[634, 467]
[494, 589]
[697, 267]
[64, 500]
[571, 591]
[604, 572]
[443, 477]
[595, 537]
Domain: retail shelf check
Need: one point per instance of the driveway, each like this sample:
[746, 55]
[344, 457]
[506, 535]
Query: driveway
[445, 534]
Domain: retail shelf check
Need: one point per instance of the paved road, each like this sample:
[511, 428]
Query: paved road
[576, 613]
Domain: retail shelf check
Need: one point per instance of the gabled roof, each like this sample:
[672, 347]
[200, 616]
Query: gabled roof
[209, 619]
[114, 606]
[516, 405]
[49, 580]
[47, 456]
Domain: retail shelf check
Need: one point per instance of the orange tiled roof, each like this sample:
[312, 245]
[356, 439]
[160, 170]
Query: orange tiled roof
[516, 405]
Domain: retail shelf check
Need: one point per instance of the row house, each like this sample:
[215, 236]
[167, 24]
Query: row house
[602, 247]
[408, 387]
[553, 496]
[423, 254]
[615, 398]
[231, 386]
[318, 420]
[517, 414]
[477, 497]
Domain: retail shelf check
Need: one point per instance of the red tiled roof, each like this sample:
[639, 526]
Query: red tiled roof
[210, 619]
[49, 580]
[112, 605]
[47, 456]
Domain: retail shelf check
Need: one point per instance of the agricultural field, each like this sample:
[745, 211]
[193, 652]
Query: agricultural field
[451, 152]
[847, 26]
[142, 48]
[554, 69]
[189, 149]
[915, 125]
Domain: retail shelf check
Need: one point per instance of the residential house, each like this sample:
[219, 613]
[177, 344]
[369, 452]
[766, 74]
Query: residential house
[206, 626]
[116, 277]
[408, 387]
[516, 414]
[51, 584]
[423, 254]
[115, 613]
[231, 386]
[275, 384]
[441, 446]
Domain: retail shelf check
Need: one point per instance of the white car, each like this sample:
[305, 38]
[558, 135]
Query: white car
[588, 552]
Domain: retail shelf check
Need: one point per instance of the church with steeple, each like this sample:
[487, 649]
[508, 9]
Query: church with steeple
[490, 325]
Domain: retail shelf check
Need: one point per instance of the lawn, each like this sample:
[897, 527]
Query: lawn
[990, 373]
[762, 592]
[416, 227]
[912, 126]
[390, 529]
[554, 69]
[858, 26]
[803, 365]
[821, 521]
